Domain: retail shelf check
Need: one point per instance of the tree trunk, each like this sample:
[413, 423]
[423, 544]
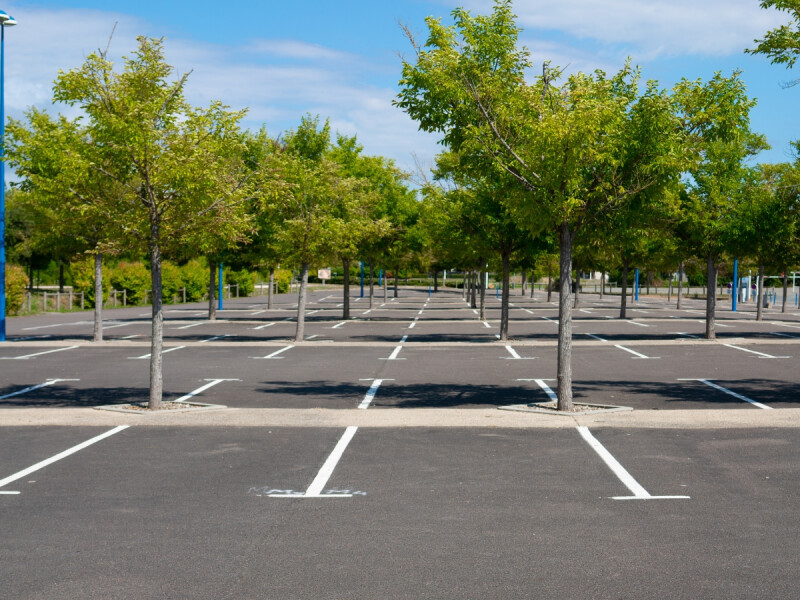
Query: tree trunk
[549, 284]
[524, 281]
[474, 285]
[669, 289]
[371, 283]
[271, 285]
[396, 277]
[533, 282]
[505, 298]
[212, 289]
[648, 277]
[760, 298]
[98, 297]
[623, 296]
[602, 284]
[565, 320]
[157, 328]
[301, 304]
[577, 288]
[481, 280]
[435, 281]
[30, 276]
[785, 288]
[680, 284]
[711, 299]
[61, 277]
[385, 287]
[346, 290]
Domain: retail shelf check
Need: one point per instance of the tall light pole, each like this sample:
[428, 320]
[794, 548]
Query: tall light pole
[5, 21]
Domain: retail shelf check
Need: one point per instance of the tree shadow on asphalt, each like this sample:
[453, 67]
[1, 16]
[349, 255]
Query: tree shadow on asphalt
[64, 396]
[690, 394]
[640, 395]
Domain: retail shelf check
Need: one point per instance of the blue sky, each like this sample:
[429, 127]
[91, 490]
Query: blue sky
[340, 59]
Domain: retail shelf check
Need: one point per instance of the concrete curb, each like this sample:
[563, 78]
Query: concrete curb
[743, 418]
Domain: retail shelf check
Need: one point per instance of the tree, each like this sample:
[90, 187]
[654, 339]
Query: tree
[54, 158]
[716, 118]
[309, 186]
[781, 45]
[180, 167]
[576, 150]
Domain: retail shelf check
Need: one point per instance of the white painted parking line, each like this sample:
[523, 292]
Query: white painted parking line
[56, 325]
[59, 456]
[130, 337]
[413, 324]
[515, 355]
[634, 352]
[37, 354]
[366, 312]
[313, 312]
[549, 319]
[780, 333]
[162, 352]
[216, 337]
[311, 337]
[487, 325]
[316, 487]
[393, 355]
[475, 311]
[597, 337]
[709, 383]
[403, 339]
[189, 326]
[263, 326]
[371, 393]
[639, 493]
[212, 383]
[583, 310]
[339, 325]
[107, 327]
[547, 390]
[35, 387]
[274, 354]
[761, 354]
[637, 323]
[785, 325]
[260, 312]
[528, 311]
[684, 334]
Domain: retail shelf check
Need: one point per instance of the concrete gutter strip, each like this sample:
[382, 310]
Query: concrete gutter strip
[742, 418]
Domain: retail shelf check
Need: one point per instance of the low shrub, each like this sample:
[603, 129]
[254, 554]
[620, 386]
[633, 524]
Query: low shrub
[82, 272]
[134, 278]
[243, 278]
[194, 277]
[16, 282]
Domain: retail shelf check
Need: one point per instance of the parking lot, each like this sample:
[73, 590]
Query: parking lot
[371, 460]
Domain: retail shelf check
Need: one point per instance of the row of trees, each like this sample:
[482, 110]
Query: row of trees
[597, 171]
[143, 173]
[608, 169]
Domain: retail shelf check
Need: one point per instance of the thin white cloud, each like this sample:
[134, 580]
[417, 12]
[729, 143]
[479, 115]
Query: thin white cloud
[649, 28]
[297, 50]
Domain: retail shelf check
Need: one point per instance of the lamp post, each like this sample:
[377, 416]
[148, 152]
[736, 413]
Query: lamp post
[5, 21]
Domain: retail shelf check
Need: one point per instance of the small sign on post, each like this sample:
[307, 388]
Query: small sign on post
[324, 275]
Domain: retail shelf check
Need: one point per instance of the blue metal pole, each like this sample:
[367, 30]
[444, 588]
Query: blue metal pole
[636, 286]
[362, 278]
[2, 187]
[735, 287]
[380, 277]
[221, 288]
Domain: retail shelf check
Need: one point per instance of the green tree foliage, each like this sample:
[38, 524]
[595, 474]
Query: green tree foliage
[16, 282]
[781, 45]
[576, 150]
[179, 168]
[716, 117]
